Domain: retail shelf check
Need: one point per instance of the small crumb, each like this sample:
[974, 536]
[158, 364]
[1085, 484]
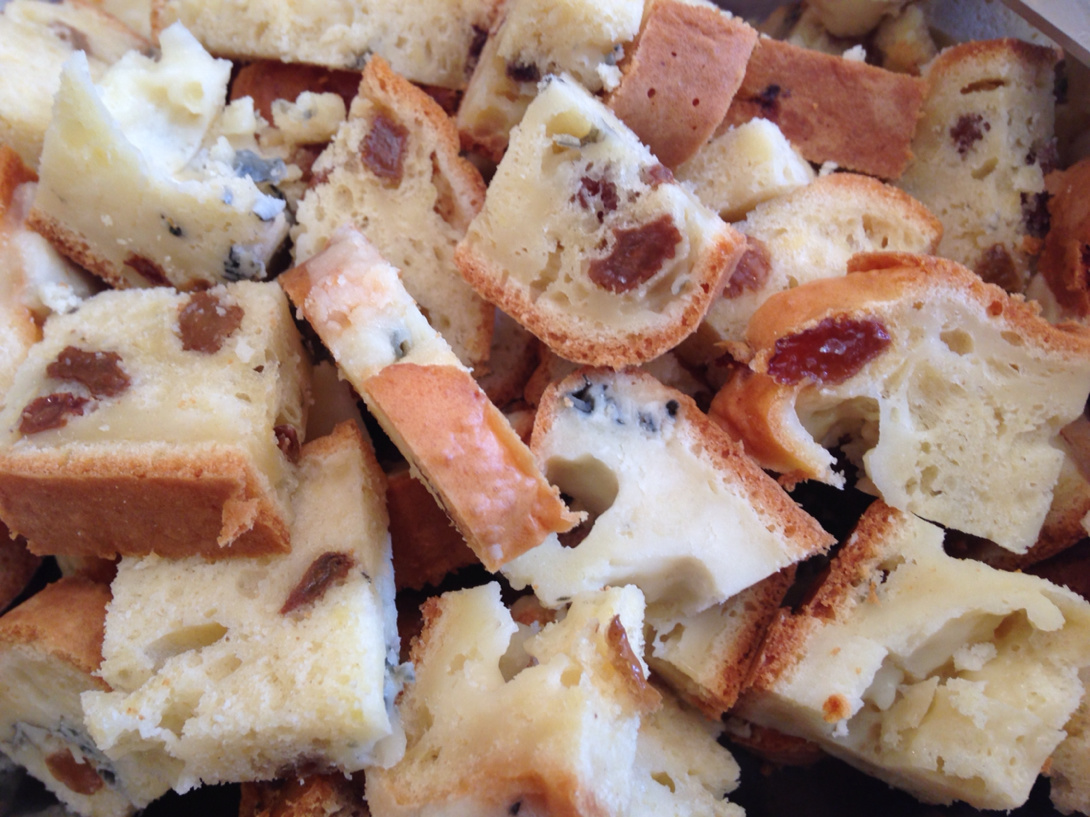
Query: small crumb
[857, 53]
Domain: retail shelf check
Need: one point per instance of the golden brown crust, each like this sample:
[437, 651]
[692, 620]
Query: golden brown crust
[571, 339]
[66, 619]
[833, 598]
[75, 246]
[319, 795]
[832, 109]
[17, 567]
[876, 279]
[776, 747]
[678, 84]
[951, 59]
[211, 504]
[267, 80]
[1065, 261]
[467, 453]
[426, 545]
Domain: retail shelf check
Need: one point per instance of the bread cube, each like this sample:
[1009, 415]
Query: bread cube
[244, 670]
[151, 421]
[941, 676]
[139, 181]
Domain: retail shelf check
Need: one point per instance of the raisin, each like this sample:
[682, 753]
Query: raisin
[78, 776]
[996, 266]
[287, 440]
[637, 255]
[656, 174]
[752, 269]
[624, 660]
[148, 270]
[206, 321]
[830, 352]
[71, 36]
[593, 192]
[523, 72]
[383, 149]
[1035, 214]
[967, 131]
[100, 372]
[327, 570]
[50, 411]
[1046, 154]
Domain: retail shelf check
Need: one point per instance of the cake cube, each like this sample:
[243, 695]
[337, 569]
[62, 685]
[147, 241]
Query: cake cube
[149, 420]
[248, 669]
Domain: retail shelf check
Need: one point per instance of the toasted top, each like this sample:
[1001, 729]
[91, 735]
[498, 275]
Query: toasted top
[66, 619]
[831, 108]
[676, 87]
[1065, 262]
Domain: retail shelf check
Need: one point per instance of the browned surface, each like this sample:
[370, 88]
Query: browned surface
[677, 86]
[314, 796]
[175, 505]
[466, 451]
[17, 567]
[832, 109]
[1065, 261]
[426, 544]
[268, 80]
[66, 619]
[12, 174]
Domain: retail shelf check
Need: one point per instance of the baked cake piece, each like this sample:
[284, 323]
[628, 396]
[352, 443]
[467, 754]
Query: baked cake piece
[706, 657]
[255, 668]
[140, 183]
[504, 717]
[1069, 772]
[533, 39]
[742, 166]
[941, 676]
[853, 18]
[831, 108]
[674, 506]
[546, 718]
[904, 40]
[35, 40]
[946, 388]
[1065, 260]
[157, 421]
[623, 261]
[810, 233]
[50, 650]
[679, 80]
[457, 442]
[434, 42]
[514, 356]
[393, 171]
[981, 150]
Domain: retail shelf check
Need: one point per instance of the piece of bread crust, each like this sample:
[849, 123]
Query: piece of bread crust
[1065, 260]
[426, 546]
[17, 567]
[679, 81]
[66, 619]
[393, 170]
[625, 261]
[971, 323]
[456, 440]
[832, 109]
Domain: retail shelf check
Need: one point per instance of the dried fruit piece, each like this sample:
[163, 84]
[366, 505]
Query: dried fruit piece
[100, 372]
[752, 269]
[383, 149]
[599, 195]
[624, 661]
[287, 440]
[79, 776]
[967, 131]
[637, 255]
[327, 570]
[830, 352]
[50, 411]
[206, 321]
[148, 270]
